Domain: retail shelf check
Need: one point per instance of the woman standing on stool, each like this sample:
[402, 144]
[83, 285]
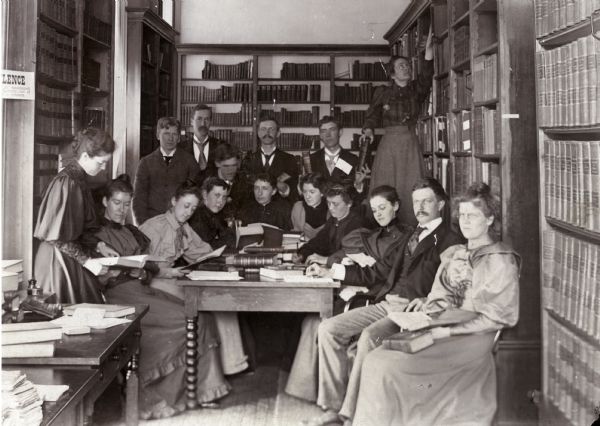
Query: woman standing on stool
[399, 160]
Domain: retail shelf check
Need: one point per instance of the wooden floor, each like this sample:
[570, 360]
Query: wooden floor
[256, 399]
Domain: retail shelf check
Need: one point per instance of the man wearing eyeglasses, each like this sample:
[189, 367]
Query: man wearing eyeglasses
[272, 160]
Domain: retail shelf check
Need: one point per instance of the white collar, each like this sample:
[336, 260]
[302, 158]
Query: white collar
[199, 141]
[432, 225]
[332, 154]
[162, 151]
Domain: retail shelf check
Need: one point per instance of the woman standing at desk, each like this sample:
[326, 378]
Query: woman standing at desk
[66, 223]
[162, 364]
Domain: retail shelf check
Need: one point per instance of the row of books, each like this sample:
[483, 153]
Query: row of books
[554, 15]
[55, 113]
[485, 77]
[368, 71]
[459, 131]
[241, 71]
[244, 141]
[242, 118]
[353, 118]
[21, 402]
[315, 71]
[298, 142]
[347, 94]
[63, 11]
[94, 117]
[572, 182]
[442, 173]
[294, 118]
[463, 174]
[425, 134]
[428, 161]
[289, 92]
[568, 84]
[486, 139]
[573, 385]
[56, 54]
[239, 92]
[441, 56]
[461, 95]
[462, 45]
[571, 280]
[489, 172]
[97, 29]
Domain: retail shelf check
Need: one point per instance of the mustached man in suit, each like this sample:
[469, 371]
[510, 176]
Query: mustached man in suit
[272, 160]
[202, 146]
[411, 278]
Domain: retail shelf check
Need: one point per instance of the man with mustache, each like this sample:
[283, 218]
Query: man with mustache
[272, 160]
[410, 280]
[202, 146]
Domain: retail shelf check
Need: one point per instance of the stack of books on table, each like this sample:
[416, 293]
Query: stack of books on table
[21, 403]
[11, 276]
[29, 339]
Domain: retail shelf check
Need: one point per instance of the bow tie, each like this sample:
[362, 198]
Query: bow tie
[167, 158]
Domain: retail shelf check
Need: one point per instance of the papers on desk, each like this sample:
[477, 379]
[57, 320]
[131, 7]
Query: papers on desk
[303, 279]
[87, 317]
[51, 393]
[214, 276]
[362, 259]
[215, 253]
[21, 403]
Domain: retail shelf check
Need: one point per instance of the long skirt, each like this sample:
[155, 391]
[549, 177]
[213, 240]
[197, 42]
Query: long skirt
[399, 163]
[452, 382]
[64, 276]
[162, 356]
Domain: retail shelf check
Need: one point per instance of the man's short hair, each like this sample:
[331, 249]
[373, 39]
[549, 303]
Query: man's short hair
[265, 177]
[330, 119]
[267, 117]
[166, 122]
[202, 107]
[434, 185]
[224, 151]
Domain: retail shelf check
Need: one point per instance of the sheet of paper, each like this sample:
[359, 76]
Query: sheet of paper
[307, 279]
[215, 253]
[362, 259]
[214, 276]
[343, 165]
[92, 322]
[51, 392]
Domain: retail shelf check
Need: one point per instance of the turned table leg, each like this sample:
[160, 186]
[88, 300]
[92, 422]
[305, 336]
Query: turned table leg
[132, 389]
[191, 344]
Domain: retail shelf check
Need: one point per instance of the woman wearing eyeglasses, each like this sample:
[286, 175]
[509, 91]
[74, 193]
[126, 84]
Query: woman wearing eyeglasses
[66, 224]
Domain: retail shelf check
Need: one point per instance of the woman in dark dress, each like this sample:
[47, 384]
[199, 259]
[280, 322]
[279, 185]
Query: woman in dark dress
[309, 214]
[162, 364]
[399, 161]
[66, 224]
[209, 220]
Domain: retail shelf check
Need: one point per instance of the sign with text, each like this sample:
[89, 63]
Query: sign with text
[17, 85]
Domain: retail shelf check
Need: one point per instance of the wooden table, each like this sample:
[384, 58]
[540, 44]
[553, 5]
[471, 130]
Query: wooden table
[248, 295]
[106, 351]
[69, 409]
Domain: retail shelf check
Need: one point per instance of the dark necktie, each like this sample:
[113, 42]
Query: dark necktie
[168, 158]
[413, 241]
[267, 159]
[201, 157]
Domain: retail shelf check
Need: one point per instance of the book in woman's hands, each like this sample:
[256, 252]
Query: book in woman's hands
[413, 321]
[137, 261]
[215, 253]
[409, 342]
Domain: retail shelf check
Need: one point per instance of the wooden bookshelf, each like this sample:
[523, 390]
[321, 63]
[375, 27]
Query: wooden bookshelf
[486, 45]
[329, 81]
[568, 117]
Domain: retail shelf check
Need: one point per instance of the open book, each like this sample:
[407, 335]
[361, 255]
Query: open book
[215, 253]
[413, 321]
[269, 235]
[137, 261]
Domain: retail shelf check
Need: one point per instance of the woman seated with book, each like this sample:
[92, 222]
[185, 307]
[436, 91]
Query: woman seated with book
[209, 220]
[162, 363]
[266, 206]
[309, 215]
[481, 276]
[382, 245]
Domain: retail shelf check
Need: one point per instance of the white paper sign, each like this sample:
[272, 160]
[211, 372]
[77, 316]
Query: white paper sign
[344, 166]
[17, 85]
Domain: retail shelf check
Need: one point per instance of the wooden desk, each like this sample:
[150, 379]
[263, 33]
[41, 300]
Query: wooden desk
[69, 408]
[107, 351]
[250, 294]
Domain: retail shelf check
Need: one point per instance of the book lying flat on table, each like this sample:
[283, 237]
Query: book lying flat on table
[30, 332]
[268, 235]
[110, 311]
[280, 273]
[27, 350]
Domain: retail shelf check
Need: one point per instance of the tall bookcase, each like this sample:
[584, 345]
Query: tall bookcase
[296, 84]
[69, 47]
[150, 80]
[479, 126]
[568, 102]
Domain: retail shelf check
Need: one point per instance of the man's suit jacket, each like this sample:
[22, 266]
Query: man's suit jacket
[156, 182]
[317, 164]
[188, 145]
[421, 266]
[282, 163]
